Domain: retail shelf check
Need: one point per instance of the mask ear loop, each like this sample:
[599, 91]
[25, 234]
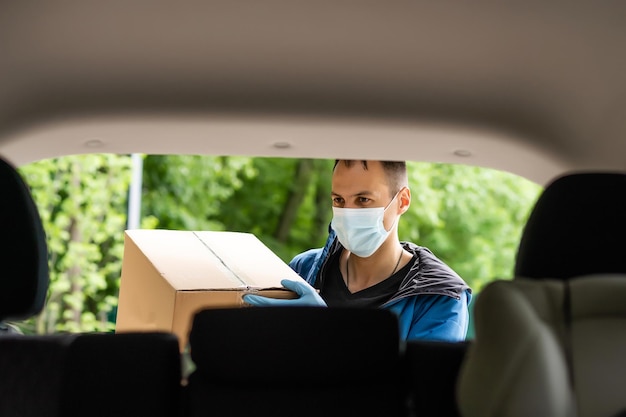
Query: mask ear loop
[394, 197]
[385, 209]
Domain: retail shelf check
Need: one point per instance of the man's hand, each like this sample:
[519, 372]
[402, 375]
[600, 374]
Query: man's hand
[308, 296]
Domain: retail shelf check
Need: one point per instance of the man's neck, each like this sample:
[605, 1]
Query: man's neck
[361, 273]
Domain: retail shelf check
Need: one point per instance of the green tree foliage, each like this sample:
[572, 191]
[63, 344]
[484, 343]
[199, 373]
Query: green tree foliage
[286, 204]
[470, 217]
[82, 202]
[186, 192]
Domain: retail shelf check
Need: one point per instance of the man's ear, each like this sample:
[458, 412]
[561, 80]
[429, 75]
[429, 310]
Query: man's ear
[405, 199]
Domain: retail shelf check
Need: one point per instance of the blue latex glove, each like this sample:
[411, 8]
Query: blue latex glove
[308, 296]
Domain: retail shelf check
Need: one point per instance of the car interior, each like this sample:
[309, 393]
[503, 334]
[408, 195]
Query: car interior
[554, 334]
[535, 89]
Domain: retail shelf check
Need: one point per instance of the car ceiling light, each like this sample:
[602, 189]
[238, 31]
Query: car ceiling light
[94, 143]
[282, 145]
[463, 153]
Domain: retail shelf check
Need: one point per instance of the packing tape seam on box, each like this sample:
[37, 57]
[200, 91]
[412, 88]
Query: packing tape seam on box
[246, 289]
[222, 263]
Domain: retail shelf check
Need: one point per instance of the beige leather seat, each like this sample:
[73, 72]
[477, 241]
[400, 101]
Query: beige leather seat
[533, 358]
[552, 342]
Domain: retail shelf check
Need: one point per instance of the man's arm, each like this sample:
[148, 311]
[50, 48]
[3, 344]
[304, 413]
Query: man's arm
[435, 317]
[305, 261]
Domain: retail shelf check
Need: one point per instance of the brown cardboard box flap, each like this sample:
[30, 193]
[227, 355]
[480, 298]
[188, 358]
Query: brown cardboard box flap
[168, 275]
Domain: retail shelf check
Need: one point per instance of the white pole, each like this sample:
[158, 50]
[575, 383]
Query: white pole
[134, 194]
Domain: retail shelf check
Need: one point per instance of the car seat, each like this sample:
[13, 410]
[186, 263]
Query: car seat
[99, 375]
[551, 342]
[24, 255]
[295, 361]
[432, 369]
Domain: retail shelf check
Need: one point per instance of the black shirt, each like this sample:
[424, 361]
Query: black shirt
[336, 294]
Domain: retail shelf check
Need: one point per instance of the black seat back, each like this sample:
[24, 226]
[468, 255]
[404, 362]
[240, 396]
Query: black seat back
[122, 375]
[32, 374]
[96, 375]
[295, 362]
[432, 369]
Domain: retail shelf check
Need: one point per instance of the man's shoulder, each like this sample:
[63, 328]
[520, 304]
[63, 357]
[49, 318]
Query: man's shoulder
[425, 256]
[309, 253]
[305, 259]
[431, 275]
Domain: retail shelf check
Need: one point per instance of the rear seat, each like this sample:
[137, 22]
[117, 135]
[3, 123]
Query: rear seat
[431, 369]
[300, 361]
[96, 375]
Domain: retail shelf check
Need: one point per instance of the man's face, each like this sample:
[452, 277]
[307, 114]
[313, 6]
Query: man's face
[357, 187]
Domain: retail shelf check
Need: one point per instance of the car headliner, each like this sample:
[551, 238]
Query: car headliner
[534, 88]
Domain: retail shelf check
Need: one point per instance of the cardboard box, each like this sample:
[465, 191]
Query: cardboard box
[169, 275]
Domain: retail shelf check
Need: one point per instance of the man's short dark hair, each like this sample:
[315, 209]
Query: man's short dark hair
[394, 170]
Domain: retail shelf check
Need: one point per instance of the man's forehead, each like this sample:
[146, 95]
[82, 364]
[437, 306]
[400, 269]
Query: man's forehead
[358, 181]
[358, 168]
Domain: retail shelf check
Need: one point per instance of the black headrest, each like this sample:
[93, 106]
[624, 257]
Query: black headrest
[577, 227]
[269, 344]
[23, 254]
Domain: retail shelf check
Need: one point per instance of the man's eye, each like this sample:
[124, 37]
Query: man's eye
[337, 201]
[364, 200]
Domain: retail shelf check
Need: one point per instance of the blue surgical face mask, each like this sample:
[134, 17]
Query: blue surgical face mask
[361, 230]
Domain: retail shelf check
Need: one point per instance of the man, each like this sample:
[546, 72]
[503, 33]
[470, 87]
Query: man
[363, 263]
